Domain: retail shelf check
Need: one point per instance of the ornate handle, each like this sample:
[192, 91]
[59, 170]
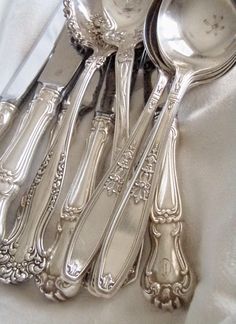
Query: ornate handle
[7, 113]
[124, 67]
[22, 255]
[16, 160]
[125, 233]
[106, 194]
[167, 279]
[81, 189]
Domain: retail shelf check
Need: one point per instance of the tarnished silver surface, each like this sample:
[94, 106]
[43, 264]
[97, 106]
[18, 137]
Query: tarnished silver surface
[23, 78]
[125, 234]
[18, 156]
[167, 279]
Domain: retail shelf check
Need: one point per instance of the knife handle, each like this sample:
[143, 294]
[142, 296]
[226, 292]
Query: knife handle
[81, 189]
[22, 254]
[98, 211]
[7, 113]
[167, 279]
[124, 62]
[16, 160]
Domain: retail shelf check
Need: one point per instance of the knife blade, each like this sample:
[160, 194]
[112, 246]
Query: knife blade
[54, 82]
[25, 75]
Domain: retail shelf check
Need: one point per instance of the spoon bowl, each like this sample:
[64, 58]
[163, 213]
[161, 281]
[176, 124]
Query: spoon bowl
[200, 44]
[86, 22]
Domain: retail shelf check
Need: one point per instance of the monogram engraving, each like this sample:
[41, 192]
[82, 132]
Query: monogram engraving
[165, 266]
[165, 288]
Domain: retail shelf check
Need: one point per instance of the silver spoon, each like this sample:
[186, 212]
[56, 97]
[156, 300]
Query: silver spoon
[22, 254]
[131, 215]
[124, 28]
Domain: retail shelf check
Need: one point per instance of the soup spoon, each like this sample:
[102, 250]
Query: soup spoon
[157, 268]
[205, 56]
[22, 255]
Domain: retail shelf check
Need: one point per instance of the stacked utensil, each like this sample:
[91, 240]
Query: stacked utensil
[100, 229]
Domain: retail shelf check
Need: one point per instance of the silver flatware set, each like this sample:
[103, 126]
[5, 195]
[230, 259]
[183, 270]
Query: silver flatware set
[125, 188]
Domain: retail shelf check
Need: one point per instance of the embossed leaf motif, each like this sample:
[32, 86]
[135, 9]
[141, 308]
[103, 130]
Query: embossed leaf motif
[141, 187]
[106, 281]
[73, 269]
[116, 179]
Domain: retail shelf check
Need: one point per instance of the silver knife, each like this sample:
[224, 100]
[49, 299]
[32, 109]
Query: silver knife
[25, 75]
[53, 83]
[83, 185]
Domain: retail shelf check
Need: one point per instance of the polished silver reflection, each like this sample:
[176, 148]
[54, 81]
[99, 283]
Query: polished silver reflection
[131, 215]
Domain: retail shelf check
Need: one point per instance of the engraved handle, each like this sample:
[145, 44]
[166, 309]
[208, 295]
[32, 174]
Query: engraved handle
[125, 234]
[7, 113]
[81, 189]
[24, 250]
[124, 67]
[167, 279]
[16, 160]
[106, 194]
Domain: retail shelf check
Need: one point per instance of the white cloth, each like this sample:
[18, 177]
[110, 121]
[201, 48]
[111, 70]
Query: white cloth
[207, 176]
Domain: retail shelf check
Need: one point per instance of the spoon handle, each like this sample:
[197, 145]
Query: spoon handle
[124, 62]
[167, 268]
[7, 113]
[17, 158]
[89, 232]
[125, 233]
[22, 255]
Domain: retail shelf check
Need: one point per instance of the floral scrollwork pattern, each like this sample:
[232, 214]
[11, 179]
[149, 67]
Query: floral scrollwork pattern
[12, 271]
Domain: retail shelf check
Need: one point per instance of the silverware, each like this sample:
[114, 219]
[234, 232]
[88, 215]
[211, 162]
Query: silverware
[166, 267]
[94, 215]
[137, 77]
[124, 25]
[24, 251]
[53, 83]
[167, 270]
[24, 77]
[50, 282]
[133, 211]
